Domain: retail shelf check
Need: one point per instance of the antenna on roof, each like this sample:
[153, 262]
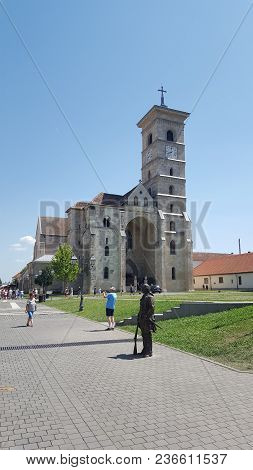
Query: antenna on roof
[239, 243]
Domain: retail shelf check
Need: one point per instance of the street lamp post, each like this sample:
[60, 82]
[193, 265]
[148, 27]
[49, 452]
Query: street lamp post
[82, 287]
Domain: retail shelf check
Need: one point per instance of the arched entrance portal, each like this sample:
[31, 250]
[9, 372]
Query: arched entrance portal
[140, 251]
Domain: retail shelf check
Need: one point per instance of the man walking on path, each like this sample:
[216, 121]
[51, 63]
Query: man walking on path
[110, 306]
[146, 320]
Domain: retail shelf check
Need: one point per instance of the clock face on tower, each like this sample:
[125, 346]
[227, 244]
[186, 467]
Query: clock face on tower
[148, 155]
[171, 151]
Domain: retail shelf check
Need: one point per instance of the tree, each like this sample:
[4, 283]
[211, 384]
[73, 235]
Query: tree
[1, 282]
[62, 263]
[45, 278]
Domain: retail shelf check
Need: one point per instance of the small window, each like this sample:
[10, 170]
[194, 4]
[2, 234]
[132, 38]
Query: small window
[107, 251]
[149, 175]
[150, 191]
[106, 221]
[206, 280]
[171, 207]
[172, 247]
[172, 226]
[240, 280]
[170, 136]
[171, 190]
[171, 172]
[220, 280]
[150, 138]
[136, 202]
[106, 241]
[145, 201]
[173, 274]
[106, 273]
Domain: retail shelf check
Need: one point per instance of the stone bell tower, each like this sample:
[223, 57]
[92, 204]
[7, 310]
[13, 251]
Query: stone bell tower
[163, 174]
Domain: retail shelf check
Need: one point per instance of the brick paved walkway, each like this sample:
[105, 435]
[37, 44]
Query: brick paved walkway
[92, 393]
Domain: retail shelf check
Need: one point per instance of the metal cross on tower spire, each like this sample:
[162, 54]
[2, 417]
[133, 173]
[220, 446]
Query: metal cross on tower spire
[162, 97]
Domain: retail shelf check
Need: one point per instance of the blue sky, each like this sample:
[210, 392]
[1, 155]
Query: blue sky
[104, 61]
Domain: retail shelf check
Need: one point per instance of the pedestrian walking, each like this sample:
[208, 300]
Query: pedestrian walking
[95, 291]
[30, 309]
[146, 320]
[111, 298]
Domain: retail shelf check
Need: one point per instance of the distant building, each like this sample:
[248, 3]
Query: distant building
[50, 233]
[225, 272]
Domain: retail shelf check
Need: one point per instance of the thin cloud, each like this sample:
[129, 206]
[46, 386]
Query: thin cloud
[23, 244]
[27, 239]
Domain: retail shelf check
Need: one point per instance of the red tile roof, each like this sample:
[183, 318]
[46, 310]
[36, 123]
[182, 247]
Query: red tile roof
[107, 199]
[203, 255]
[227, 264]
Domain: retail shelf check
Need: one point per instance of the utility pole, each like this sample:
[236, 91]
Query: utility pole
[239, 243]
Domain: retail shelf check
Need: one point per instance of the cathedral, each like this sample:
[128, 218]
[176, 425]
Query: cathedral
[141, 236]
[145, 234]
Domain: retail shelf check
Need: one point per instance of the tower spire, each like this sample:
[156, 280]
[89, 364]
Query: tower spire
[162, 95]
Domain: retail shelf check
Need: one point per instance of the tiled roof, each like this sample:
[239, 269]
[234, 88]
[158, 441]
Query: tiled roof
[57, 226]
[227, 264]
[107, 199]
[203, 256]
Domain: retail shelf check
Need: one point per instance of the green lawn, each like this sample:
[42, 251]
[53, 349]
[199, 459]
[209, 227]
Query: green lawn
[94, 309]
[225, 337]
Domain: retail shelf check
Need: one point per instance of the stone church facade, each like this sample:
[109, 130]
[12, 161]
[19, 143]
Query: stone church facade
[144, 235]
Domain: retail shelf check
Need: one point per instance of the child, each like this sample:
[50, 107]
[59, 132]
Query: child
[30, 309]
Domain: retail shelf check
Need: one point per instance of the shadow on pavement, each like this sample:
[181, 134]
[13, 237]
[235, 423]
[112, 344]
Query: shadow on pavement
[19, 326]
[126, 357]
[63, 345]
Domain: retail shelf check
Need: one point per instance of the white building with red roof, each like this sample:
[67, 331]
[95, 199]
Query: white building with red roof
[225, 272]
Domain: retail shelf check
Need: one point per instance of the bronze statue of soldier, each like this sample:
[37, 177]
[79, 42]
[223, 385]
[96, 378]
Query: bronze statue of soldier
[146, 320]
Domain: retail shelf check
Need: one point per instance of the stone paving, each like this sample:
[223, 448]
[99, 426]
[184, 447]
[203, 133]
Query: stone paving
[91, 393]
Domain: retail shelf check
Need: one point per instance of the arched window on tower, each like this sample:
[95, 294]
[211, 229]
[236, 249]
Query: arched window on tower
[145, 201]
[149, 175]
[170, 136]
[171, 190]
[150, 191]
[106, 250]
[173, 273]
[136, 202]
[171, 171]
[171, 207]
[106, 273]
[150, 139]
[107, 221]
[172, 247]
[172, 226]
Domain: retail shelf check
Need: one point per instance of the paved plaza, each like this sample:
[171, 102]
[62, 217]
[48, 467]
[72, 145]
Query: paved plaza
[73, 385]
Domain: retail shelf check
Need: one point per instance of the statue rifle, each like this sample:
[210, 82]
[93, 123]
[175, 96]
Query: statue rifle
[135, 339]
